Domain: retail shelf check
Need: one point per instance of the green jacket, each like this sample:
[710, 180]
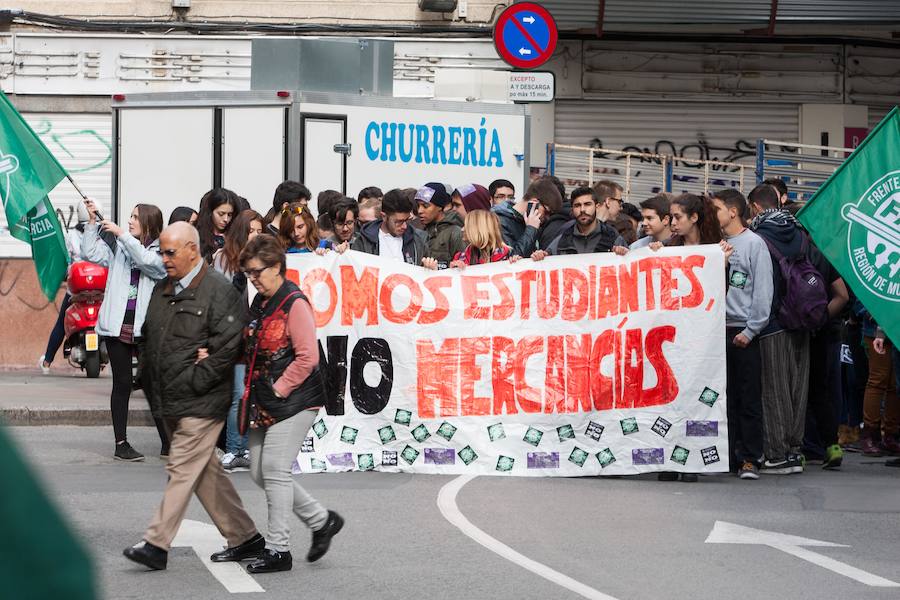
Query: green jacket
[208, 314]
[445, 238]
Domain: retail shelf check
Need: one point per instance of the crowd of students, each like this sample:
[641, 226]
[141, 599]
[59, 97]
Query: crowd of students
[810, 375]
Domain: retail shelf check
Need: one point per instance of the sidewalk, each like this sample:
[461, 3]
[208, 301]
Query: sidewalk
[65, 397]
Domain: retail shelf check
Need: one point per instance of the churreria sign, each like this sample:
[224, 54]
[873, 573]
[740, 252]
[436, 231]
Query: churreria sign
[873, 238]
[434, 144]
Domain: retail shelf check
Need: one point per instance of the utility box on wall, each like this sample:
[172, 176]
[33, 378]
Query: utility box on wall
[347, 66]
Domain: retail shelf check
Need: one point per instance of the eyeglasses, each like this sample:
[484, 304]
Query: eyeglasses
[619, 200]
[254, 273]
[345, 224]
[397, 221]
[170, 253]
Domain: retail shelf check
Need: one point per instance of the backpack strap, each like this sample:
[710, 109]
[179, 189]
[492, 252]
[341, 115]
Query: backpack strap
[778, 256]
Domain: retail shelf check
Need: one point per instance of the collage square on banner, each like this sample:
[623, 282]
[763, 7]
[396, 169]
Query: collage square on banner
[574, 365]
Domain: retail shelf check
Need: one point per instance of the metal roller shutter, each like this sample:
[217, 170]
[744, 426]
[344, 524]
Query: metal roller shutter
[81, 142]
[723, 131]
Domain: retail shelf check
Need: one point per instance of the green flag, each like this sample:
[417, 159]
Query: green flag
[27, 174]
[40, 556]
[854, 218]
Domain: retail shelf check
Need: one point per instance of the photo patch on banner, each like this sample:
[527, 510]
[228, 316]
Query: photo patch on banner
[565, 432]
[661, 427]
[420, 433]
[505, 463]
[348, 434]
[543, 460]
[710, 455]
[680, 455]
[389, 458]
[496, 432]
[594, 431]
[708, 396]
[629, 426]
[605, 457]
[446, 431]
[440, 456]
[344, 459]
[387, 434]
[320, 429]
[702, 429]
[366, 462]
[308, 445]
[533, 436]
[578, 456]
[467, 455]
[648, 456]
[317, 465]
[409, 454]
[402, 417]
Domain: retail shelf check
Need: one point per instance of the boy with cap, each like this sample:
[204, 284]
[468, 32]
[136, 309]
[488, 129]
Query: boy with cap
[443, 226]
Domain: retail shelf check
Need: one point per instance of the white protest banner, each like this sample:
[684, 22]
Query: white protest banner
[593, 364]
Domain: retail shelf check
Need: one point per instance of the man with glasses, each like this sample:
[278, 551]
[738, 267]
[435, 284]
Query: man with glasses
[391, 236]
[502, 190]
[191, 337]
[609, 200]
[343, 215]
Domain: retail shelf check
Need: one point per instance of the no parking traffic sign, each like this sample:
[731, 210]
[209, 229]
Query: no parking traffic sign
[525, 35]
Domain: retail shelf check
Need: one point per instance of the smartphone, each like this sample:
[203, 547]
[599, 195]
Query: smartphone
[530, 208]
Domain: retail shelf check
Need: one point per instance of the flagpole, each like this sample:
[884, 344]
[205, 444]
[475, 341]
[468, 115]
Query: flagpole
[78, 189]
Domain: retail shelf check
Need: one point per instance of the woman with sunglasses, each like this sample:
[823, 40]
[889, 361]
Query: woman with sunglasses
[284, 390]
[134, 268]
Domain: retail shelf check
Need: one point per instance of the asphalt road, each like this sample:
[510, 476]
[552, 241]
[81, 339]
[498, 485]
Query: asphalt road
[621, 538]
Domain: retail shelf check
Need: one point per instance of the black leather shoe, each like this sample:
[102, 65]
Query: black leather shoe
[322, 538]
[145, 553]
[252, 548]
[689, 477]
[271, 561]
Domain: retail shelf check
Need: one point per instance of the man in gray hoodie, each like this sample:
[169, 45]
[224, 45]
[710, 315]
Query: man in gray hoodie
[748, 302]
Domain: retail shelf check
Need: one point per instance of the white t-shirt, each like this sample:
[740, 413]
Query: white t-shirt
[390, 246]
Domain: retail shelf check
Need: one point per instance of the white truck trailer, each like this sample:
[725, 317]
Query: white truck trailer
[170, 148]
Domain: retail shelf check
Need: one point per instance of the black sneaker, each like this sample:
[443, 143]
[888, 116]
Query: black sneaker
[795, 462]
[779, 466]
[125, 452]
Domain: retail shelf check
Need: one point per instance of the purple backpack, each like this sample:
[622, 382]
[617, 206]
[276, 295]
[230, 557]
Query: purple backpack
[804, 302]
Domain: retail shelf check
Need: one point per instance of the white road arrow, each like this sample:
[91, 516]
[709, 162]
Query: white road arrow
[729, 533]
[206, 540]
[529, 20]
[523, 51]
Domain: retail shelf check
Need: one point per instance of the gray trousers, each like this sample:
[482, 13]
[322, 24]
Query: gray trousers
[785, 382]
[272, 452]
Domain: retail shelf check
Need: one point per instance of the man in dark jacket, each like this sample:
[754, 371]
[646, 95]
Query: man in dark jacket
[443, 227]
[191, 337]
[521, 221]
[586, 233]
[391, 236]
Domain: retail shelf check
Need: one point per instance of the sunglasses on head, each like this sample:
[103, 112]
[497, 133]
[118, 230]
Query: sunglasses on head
[297, 210]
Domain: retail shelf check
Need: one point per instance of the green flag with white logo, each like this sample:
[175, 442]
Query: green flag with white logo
[854, 218]
[27, 174]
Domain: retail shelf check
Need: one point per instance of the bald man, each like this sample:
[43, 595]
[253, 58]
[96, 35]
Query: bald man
[191, 338]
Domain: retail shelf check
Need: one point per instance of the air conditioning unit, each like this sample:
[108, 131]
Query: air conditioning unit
[441, 6]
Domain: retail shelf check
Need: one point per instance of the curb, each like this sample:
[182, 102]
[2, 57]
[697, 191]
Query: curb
[80, 417]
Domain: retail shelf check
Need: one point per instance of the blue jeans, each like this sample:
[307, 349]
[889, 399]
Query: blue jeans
[234, 442]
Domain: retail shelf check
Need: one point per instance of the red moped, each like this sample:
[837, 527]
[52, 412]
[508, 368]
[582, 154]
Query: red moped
[83, 346]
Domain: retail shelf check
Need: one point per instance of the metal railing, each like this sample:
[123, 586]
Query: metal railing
[803, 167]
[643, 174]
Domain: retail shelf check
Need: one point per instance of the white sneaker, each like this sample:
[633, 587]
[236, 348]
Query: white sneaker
[226, 459]
[44, 370]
